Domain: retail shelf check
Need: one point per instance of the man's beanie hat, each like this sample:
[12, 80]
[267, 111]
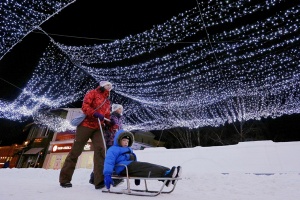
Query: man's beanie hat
[103, 83]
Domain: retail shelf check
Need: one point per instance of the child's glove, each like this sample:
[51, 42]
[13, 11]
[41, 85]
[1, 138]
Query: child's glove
[98, 115]
[108, 181]
[137, 181]
[130, 156]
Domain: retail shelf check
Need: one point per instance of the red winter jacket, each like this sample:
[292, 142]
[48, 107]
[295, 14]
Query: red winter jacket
[91, 101]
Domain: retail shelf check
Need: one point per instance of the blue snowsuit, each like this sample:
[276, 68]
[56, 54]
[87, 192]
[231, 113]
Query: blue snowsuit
[117, 154]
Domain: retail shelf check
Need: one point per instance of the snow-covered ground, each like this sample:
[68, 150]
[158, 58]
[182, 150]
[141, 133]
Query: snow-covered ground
[260, 170]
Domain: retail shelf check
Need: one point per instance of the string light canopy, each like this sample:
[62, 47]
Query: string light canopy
[205, 67]
[19, 18]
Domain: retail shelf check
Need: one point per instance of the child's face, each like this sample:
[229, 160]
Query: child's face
[124, 142]
[119, 110]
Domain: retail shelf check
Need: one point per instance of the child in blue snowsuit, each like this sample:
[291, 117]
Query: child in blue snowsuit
[121, 153]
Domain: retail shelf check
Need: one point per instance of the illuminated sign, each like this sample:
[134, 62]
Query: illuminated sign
[37, 140]
[57, 148]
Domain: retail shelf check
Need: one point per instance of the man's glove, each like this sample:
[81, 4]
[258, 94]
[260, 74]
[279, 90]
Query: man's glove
[98, 115]
[108, 181]
[112, 122]
[137, 181]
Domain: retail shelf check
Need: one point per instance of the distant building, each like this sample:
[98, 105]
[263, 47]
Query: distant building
[9, 155]
[33, 154]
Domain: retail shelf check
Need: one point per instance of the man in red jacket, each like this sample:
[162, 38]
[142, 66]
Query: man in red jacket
[96, 105]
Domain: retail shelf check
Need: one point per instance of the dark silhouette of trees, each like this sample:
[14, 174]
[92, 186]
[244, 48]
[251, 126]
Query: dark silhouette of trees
[282, 129]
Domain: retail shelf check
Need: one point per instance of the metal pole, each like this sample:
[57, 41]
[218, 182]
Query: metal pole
[102, 136]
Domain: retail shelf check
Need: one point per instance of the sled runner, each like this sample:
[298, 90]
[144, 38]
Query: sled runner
[146, 191]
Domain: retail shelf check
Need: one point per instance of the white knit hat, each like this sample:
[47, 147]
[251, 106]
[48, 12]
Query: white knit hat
[115, 107]
[104, 83]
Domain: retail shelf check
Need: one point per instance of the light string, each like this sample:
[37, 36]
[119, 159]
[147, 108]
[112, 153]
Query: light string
[19, 18]
[173, 31]
[182, 87]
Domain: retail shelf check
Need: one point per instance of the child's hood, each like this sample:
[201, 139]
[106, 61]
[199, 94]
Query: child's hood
[120, 134]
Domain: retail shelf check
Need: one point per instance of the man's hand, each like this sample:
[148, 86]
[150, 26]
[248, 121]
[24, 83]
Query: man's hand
[98, 115]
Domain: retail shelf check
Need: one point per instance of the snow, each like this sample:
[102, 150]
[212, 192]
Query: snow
[260, 170]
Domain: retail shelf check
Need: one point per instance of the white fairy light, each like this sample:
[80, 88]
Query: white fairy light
[19, 18]
[246, 72]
